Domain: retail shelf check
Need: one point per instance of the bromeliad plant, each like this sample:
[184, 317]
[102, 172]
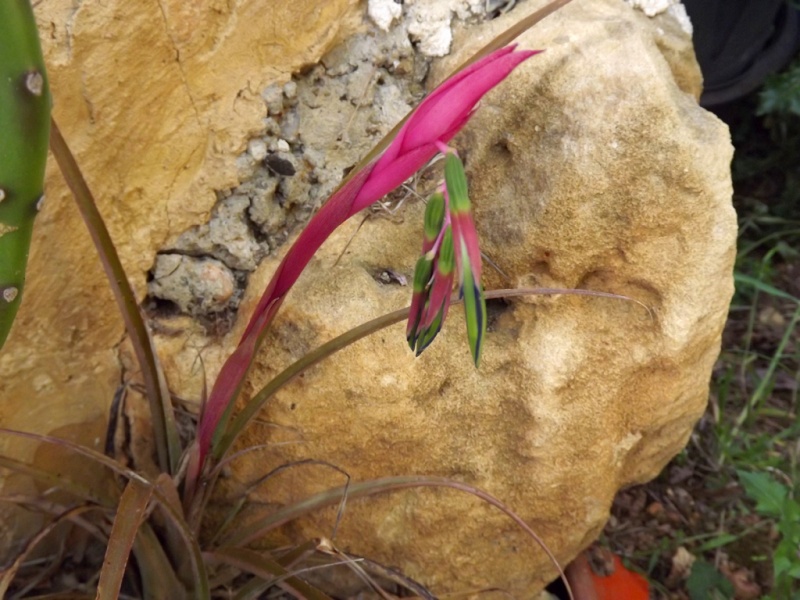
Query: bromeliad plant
[159, 521]
[434, 123]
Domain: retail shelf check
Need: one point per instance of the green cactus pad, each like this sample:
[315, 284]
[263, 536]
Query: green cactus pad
[24, 134]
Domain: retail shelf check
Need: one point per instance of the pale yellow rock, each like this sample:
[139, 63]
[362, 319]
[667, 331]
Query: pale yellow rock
[592, 168]
[156, 99]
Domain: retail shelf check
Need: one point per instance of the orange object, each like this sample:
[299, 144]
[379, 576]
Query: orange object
[621, 584]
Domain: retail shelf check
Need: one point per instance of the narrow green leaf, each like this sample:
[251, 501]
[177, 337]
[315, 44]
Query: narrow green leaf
[164, 428]
[718, 541]
[741, 278]
[159, 581]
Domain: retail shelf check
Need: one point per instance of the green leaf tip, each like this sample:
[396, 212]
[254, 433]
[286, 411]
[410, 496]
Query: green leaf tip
[447, 253]
[434, 216]
[456, 180]
[475, 314]
[422, 273]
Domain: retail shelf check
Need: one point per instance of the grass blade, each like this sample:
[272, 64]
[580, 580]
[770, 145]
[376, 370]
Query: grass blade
[165, 431]
[267, 569]
[158, 577]
[767, 378]
[55, 481]
[762, 286]
[130, 514]
[10, 572]
[202, 591]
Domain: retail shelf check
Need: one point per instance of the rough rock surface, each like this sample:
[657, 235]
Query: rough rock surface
[319, 124]
[591, 167]
[216, 279]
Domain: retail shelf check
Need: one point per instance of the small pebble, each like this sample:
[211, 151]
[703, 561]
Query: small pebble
[257, 149]
[273, 98]
[290, 89]
[245, 166]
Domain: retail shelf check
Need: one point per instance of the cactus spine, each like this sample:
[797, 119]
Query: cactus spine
[24, 133]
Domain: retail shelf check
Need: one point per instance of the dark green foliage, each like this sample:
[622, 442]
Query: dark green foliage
[781, 93]
[775, 500]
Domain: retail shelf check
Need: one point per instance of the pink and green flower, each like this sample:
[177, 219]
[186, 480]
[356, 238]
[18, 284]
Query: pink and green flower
[431, 125]
[450, 243]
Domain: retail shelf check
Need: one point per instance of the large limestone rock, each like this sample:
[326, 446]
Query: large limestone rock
[591, 167]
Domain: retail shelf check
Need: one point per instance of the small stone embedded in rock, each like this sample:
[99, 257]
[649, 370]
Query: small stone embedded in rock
[227, 236]
[290, 90]
[674, 7]
[383, 12]
[257, 149]
[429, 24]
[295, 190]
[245, 166]
[271, 126]
[290, 129]
[264, 210]
[273, 98]
[197, 286]
[280, 164]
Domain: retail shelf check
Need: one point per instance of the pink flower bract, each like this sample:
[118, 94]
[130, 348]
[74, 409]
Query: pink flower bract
[437, 119]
